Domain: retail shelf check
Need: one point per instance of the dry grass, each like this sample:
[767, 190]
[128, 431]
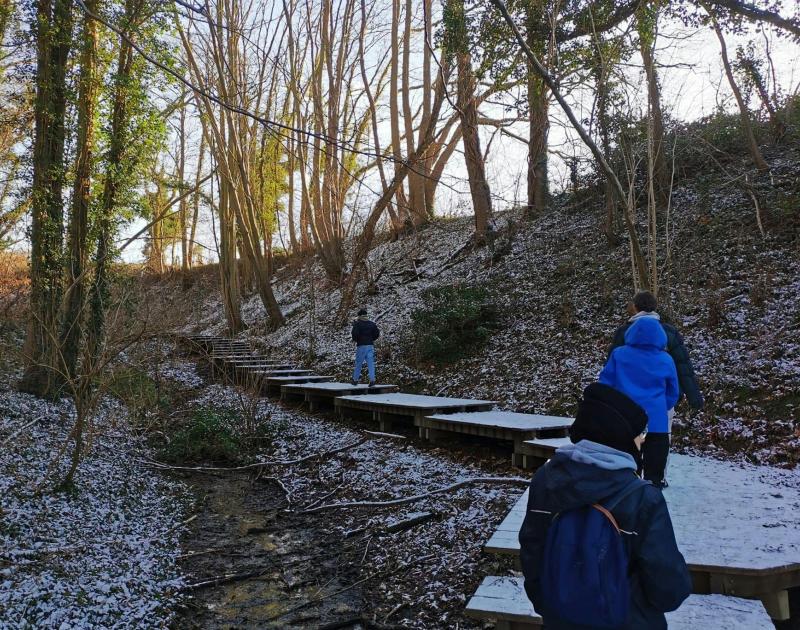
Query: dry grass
[14, 286]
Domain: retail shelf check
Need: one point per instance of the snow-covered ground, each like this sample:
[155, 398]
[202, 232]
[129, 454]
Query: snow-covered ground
[99, 556]
[561, 291]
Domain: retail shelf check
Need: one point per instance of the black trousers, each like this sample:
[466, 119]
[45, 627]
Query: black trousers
[654, 456]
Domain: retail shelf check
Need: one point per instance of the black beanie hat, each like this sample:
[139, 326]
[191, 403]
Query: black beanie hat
[607, 416]
[362, 312]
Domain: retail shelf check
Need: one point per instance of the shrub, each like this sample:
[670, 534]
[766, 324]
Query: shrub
[138, 391]
[453, 322]
[210, 435]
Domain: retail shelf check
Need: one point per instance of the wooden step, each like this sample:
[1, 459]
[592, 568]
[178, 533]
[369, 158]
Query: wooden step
[534, 453]
[503, 599]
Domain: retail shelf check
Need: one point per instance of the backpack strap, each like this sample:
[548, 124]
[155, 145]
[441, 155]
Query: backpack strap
[632, 487]
[610, 504]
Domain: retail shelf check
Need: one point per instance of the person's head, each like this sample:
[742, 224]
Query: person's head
[644, 301]
[607, 416]
[362, 312]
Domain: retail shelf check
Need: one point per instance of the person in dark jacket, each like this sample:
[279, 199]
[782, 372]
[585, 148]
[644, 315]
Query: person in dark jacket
[644, 306]
[364, 333]
[600, 463]
[647, 375]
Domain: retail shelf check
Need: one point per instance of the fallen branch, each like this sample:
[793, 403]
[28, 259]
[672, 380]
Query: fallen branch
[417, 497]
[224, 579]
[401, 526]
[277, 462]
[20, 430]
[387, 435]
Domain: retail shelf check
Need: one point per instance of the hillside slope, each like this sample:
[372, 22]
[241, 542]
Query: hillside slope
[561, 290]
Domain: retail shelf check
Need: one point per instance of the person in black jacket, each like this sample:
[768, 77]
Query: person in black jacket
[364, 333]
[644, 306]
[599, 464]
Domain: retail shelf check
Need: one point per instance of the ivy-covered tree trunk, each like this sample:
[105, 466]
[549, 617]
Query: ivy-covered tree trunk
[602, 72]
[538, 105]
[73, 324]
[117, 140]
[42, 375]
[647, 26]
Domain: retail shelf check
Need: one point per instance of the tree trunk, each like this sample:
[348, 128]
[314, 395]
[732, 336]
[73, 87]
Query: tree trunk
[744, 115]
[457, 47]
[75, 301]
[118, 141]
[638, 262]
[183, 204]
[53, 38]
[538, 105]
[402, 205]
[196, 201]
[647, 26]
[602, 69]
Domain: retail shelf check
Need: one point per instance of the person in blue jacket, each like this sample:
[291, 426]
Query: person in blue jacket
[643, 371]
[364, 333]
[599, 464]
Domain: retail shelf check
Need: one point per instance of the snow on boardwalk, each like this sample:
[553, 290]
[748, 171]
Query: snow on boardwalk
[736, 525]
[736, 515]
[101, 556]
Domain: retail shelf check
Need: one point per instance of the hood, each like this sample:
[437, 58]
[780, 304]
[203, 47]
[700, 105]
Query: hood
[600, 455]
[641, 314]
[585, 473]
[648, 332]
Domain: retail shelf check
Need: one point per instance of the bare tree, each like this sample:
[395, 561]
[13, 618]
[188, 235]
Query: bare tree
[744, 114]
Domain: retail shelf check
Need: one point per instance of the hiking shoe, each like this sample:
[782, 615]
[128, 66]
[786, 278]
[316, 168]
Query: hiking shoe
[372, 383]
[353, 382]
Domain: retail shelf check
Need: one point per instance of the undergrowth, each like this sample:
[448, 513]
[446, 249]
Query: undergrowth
[453, 322]
[219, 435]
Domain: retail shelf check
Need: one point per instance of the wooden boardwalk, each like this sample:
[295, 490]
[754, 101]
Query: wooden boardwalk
[504, 599]
[533, 453]
[497, 425]
[384, 408]
[740, 534]
[737, 529]
[274, 384]
[321, 395]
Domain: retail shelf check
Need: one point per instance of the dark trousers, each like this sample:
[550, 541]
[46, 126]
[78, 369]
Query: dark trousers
[654, 456]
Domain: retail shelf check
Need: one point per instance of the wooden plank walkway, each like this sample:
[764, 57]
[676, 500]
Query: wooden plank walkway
[319, 395]
[504, 599]
[739, 533]
[498, 425]
[274, 384]
[534, 453]
[386, 407]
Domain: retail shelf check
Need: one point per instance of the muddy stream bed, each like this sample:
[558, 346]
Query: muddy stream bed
[254, 557]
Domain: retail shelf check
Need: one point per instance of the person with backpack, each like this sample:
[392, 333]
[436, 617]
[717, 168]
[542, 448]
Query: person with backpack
[364, 333]
[597, 546]
[644, 372]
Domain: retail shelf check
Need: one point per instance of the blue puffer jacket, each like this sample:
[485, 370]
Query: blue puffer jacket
[643, 371]
[585, 473]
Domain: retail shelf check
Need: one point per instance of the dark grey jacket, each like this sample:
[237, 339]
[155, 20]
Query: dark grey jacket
[365, 332]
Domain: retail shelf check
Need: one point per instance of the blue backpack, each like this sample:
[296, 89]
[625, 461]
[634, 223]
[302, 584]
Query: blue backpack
[584, 577]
